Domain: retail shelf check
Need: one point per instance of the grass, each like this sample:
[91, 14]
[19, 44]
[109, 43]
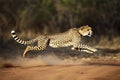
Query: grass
[104, 42]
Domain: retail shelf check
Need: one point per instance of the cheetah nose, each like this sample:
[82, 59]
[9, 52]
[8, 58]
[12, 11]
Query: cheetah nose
[89, 34]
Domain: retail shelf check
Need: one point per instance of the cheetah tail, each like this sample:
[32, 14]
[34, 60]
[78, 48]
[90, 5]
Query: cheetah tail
[17, 39]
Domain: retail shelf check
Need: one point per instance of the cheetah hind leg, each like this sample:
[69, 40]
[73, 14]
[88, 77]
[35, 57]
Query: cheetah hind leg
[28, 48]
[42, 47]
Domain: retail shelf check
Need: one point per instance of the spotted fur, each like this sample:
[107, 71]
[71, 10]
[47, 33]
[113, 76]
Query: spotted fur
[71, 37]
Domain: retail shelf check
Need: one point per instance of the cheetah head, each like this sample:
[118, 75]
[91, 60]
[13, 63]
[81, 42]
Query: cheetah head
[85, 31]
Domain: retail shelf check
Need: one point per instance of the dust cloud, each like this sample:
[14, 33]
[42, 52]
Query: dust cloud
[38, 61]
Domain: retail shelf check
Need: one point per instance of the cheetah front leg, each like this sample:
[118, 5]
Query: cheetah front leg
[81, 47]
[84, 48]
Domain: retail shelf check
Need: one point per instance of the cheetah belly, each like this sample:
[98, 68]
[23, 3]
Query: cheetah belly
[60, 43]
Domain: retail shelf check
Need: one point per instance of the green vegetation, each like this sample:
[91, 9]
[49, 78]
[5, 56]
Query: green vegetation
[31, 17]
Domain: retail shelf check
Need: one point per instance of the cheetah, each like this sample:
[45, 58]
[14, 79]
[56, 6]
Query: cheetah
[72, 37]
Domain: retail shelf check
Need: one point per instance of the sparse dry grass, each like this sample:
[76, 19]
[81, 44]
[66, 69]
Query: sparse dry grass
[104, 42]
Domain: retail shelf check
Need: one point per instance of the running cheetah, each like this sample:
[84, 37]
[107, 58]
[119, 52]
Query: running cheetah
[72, 37]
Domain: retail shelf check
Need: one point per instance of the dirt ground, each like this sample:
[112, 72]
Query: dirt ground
[53, 68]
[79, 72]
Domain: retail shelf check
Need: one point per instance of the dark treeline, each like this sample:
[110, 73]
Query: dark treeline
[52, 16]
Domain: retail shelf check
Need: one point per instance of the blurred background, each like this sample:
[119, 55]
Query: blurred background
[33, 17]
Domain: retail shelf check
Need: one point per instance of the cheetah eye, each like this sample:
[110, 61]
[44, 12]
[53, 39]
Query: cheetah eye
[87, 29]
[81, 29]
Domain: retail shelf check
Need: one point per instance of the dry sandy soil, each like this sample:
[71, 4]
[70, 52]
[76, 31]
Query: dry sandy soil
[53, 68]
[37, 69]
[81, 72]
